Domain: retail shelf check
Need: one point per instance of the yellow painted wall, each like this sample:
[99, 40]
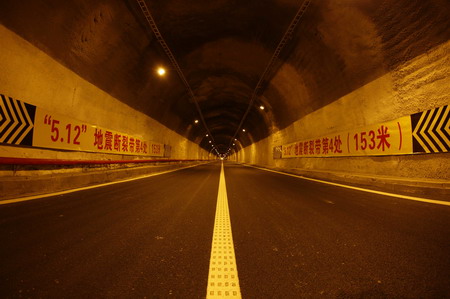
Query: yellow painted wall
[30, 75]
[420, 84]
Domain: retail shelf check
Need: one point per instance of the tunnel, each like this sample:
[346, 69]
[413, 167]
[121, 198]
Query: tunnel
[241, 149]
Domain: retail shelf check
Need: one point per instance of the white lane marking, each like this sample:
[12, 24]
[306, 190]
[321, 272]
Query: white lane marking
[434, 201]
[14, 200]
[223, 278]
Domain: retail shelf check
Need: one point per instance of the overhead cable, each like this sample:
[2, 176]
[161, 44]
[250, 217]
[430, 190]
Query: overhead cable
[284, 40]
[162, 42]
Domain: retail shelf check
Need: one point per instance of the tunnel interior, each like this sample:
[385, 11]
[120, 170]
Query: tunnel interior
[224, 48]
[332, 119]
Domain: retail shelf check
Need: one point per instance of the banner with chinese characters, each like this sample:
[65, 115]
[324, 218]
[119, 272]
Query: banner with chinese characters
[423, 132]
[25, 124]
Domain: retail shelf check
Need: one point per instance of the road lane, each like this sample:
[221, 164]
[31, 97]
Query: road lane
[145, 238]
[293, 238]
[300, 239]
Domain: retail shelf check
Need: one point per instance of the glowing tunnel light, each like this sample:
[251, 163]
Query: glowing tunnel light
[161, 71]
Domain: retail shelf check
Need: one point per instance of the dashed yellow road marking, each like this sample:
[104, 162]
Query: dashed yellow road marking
[14, 200]
[433, 201]
[223, 276]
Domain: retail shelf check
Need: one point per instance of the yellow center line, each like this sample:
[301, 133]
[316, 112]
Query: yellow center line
[433, 201]
[223, 278]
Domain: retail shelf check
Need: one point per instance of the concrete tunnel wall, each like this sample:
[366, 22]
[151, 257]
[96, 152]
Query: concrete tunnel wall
[32, 76]
[382, 68]
[420, 84]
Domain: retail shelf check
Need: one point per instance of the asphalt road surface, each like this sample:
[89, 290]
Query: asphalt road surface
[151, 238]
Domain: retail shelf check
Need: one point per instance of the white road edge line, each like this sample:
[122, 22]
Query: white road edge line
[433, 201]
[223, 278]
[14, 200]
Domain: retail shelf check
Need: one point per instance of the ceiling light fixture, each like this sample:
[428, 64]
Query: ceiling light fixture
[161, 71]
[261, 107]
[196, 121]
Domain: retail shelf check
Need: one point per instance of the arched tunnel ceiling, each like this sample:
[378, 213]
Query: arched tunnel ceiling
[223, 48]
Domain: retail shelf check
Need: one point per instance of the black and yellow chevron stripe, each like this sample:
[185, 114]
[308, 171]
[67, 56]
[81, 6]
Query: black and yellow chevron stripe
[431, 130]
[16, 121]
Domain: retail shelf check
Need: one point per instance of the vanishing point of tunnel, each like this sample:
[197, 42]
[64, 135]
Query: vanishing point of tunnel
[220, 148]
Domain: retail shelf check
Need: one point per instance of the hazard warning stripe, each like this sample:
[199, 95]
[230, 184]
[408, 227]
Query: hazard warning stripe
[16, 121]
[27, 130]
[431, 130]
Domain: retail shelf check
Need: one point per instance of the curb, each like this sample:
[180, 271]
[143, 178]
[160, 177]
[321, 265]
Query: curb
[407, 186]
[21, 186]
